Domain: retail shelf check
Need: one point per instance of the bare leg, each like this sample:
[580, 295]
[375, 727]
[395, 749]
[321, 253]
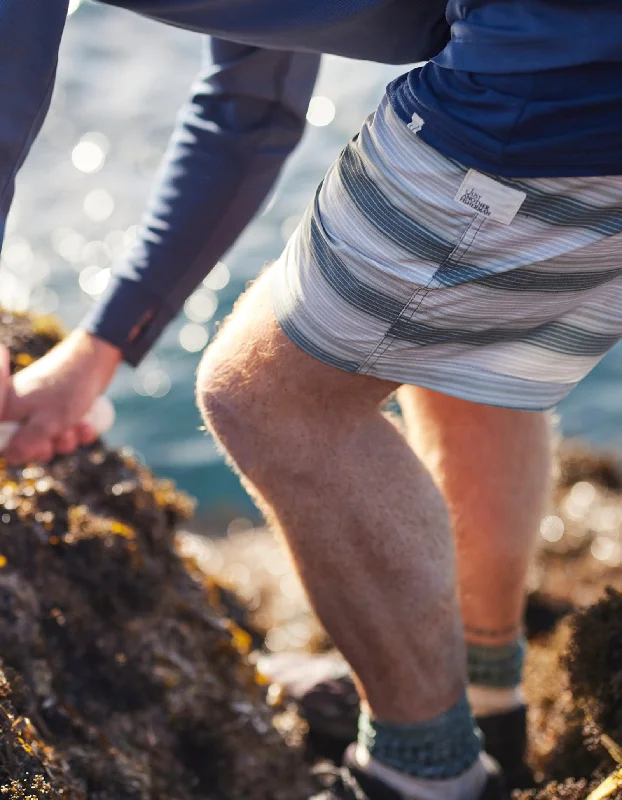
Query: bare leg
[493, 467]
[367, 528]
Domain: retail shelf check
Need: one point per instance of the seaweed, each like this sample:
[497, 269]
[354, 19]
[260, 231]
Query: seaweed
[120, 677]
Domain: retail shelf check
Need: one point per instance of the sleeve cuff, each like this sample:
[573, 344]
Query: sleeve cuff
[128, 317]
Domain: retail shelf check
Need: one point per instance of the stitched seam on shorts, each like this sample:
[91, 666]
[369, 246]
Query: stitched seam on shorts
[474, 228]
[387, 340]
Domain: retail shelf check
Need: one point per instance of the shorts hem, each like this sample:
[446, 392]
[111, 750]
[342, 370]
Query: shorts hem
[449, 386]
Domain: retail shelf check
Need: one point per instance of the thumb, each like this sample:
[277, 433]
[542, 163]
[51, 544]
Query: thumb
[7, 429]
[5, 377]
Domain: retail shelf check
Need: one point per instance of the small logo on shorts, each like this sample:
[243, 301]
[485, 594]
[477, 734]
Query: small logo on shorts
[416, 123]
[474, 200]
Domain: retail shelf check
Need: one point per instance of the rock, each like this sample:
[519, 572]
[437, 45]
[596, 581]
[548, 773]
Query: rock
[119, 679]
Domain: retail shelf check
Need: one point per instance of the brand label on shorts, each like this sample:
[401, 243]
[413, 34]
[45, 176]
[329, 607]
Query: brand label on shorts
[489, 198]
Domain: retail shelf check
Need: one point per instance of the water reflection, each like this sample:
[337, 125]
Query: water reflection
[89, 154]
[69, 244]
[201, 306]
[98, 205]
[94, 280]
[552, 529]
[150, 382]
[193, 337]
[321, 111]
[218, 278]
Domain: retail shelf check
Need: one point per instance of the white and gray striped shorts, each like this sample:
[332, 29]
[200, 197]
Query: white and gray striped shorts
[401, 270]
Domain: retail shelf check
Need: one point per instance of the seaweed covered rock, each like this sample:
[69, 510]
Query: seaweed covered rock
[594, 664]
[118, 679]
[585, 705]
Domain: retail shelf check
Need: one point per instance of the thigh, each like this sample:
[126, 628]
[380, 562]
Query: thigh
[460, 440]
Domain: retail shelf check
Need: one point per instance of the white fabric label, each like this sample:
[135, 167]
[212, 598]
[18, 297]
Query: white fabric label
[416, 123]
[489, 198]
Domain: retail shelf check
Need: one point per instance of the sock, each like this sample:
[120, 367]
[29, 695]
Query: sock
[495, 674]
[441, 748]
[470, 784]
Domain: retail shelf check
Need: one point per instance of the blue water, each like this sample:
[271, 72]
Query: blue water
[123, 78]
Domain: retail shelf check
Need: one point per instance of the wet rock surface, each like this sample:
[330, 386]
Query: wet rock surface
[120, 675]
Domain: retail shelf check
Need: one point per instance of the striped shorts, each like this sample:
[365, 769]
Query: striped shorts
[411, 268]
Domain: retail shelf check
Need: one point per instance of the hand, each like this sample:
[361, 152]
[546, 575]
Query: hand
[50, 398]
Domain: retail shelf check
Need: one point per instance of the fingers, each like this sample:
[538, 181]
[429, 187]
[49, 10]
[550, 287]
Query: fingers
[40, 439]
[66, 443]
[42, 436]
[33, 441]
[86, 434]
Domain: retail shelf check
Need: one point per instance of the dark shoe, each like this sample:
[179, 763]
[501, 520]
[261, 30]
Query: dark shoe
[350, 783]
[505, 737]
[323, 689]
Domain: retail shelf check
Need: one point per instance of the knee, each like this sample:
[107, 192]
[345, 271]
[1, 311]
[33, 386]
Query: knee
[226, 411]
[254, 420]
[241, 410]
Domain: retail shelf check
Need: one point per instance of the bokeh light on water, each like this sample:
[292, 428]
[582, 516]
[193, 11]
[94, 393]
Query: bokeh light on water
[218, 278]
[152, 381]
[321, 111]
[193, 337]
[89, 154]
[94, 280]
[98, 205]
[201, 306]
[552, 529]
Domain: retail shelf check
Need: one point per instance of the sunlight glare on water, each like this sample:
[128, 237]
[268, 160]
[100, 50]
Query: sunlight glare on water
[218, 278]
[193, 337]
[552, 528]
[90, 153]
[201, 306]
[321, 111]
[94, 280]
[152, 383]
[98, 205]
[74, 5]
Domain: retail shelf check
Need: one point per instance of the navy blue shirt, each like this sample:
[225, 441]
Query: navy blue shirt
[524, 88]
[563, 122]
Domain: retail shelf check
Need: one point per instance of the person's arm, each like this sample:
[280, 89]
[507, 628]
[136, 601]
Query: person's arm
[30, 33]
[246, 114]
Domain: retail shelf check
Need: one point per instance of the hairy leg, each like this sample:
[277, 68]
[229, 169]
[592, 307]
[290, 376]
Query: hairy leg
[493, 467]
[366, 526]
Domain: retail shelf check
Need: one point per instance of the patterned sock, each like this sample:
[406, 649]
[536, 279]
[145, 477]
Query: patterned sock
[441, 748]
[495, 675]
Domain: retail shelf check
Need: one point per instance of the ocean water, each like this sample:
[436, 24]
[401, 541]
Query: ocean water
[121, 80]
